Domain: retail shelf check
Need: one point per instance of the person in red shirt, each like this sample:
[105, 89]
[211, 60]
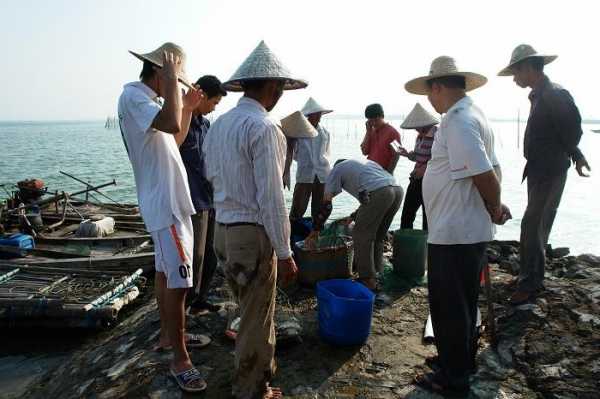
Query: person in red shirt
[376, 144]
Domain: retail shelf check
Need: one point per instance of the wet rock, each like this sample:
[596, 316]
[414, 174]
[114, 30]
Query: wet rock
[84, 386]
[115, 371]
[531, 308]
[511, 265]
[493, 255]
[590, 259]
[560, 252]
[304, 391]
[505, 352]
[109, 394]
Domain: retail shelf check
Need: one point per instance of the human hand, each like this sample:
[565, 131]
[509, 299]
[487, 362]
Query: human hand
[402, 151]
[171, 67]
[580, 164]
[192, 99]
[500, 214]
[286, 271]
[310, 242]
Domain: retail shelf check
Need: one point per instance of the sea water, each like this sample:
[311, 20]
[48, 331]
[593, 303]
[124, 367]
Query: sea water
[95, 154]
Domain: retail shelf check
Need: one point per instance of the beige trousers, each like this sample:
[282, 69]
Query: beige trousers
[248, 261]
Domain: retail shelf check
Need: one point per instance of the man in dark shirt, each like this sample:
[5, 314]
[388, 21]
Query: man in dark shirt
[550, 145]
[205, 260]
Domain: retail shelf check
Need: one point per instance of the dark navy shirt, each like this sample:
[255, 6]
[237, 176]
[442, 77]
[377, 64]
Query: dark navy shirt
[553, 131]
[191, 153]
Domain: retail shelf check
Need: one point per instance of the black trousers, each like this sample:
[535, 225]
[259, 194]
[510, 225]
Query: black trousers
[453, 276]
[209, 265]
[543, 199]
[412, 202]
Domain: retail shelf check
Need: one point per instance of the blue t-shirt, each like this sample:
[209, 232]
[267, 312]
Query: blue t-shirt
[201, 190]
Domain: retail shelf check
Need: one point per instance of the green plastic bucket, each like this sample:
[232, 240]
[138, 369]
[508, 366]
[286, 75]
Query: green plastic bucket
[410, 253]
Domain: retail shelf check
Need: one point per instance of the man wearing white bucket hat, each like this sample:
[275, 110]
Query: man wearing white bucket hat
[151, 133]
[550, 144]
[312, 163]
[425, 125]
[461, 193]
[245, 155]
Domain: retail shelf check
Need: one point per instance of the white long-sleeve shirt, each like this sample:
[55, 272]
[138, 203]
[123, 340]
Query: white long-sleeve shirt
[245, 156]
[312, 157]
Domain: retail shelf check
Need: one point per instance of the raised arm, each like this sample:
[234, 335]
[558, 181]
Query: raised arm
[168, 120]
[190, 100]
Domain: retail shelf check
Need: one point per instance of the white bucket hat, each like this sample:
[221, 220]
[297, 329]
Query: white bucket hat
[297, 126]
[263, 64]
[156, 57]
[419, 117]
[522, 52]
[312, 107]
[440, 67]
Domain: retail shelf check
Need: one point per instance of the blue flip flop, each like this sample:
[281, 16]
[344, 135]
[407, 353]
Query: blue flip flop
[188, 379]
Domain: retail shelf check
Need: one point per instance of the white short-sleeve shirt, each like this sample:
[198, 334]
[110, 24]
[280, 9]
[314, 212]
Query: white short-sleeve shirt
[160, 176]
[463, 147]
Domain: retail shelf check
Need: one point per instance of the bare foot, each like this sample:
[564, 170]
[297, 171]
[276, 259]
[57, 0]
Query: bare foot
[273, 393]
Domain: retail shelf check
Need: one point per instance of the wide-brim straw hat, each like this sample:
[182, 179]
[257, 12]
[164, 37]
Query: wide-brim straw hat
[523, 52]
[441, 67]
[313, 107]
[419, 117]
[156, 58]
[263, 64]
[297, 126]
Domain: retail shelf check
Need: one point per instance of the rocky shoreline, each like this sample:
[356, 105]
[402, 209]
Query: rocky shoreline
[549, 348]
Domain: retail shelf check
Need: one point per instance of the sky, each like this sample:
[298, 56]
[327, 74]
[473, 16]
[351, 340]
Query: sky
[68, 60]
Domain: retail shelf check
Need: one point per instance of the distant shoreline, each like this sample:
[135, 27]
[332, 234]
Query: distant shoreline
[588, 121]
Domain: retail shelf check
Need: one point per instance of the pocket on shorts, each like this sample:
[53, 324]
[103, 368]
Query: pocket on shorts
[243, 254]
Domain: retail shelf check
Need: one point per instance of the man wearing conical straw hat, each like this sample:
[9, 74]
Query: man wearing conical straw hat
[461, 193]
[425, 125]
[549, 145]
[245, 155]
[312, 163]
[152, 133]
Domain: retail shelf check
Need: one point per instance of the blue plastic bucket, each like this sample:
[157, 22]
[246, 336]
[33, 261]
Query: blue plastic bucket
[345, 311]
[20, 243]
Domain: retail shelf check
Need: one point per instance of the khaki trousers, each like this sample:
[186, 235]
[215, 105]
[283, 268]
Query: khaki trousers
[302, 194]
[250, 268]
[373, 220]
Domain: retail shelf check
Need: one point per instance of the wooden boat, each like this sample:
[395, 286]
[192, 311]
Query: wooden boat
[83, 256]
[34, 296]
[54, 223]
[596, 130]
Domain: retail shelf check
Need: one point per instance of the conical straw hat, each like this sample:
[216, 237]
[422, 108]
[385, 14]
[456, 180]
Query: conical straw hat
[522, 52]
[441, 67]
[297, 126]
[262, 63]
[312, 107]
[156, 58]
[419, 117]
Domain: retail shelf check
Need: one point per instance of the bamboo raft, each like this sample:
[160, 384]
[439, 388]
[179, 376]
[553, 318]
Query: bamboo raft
[54, 297]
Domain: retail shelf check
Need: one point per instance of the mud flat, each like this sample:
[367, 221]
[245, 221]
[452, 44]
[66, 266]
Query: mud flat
[549, 348]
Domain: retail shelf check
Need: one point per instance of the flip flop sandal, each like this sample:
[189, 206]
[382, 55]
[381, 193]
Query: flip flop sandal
[196, 340]
[189, 380]
[430, 383]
